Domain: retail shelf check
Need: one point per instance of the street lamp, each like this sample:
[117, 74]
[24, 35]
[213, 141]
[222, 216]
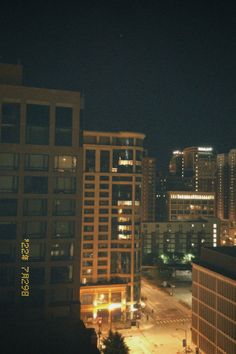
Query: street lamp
[185, 339]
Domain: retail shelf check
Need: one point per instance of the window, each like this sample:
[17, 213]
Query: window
[89, 185]
[90, 159]
[89, 202]
[7, 230]
[10, 129]
[89, 178]
[65, 163]
[37, 251]
[8, 207]
[7, 252]
[37, 124]
[102, 228]
[63, 133]
[104, 161]
[104, 140]
[102, 254]
[103, 211]
[36, 162]
[8, 184]
[63, 229]
[9, 161]
[103, 202]
[65, 185]
[89, 194]
[90, 139]
[120, 263]
[104, 178]
[35, 229]
[36, 185]
[88, 211]
[35, 207]
[88, 228]
[62, 251]
[62, 274]
[104, 186]
[86, 299]
[104, 194]
[37, 275]
[64, 207]
[87, 246]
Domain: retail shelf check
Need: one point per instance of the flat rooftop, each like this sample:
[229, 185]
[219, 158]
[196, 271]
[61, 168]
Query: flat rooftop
[221, 260]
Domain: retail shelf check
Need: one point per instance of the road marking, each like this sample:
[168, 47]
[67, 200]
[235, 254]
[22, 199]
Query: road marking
[163, 322]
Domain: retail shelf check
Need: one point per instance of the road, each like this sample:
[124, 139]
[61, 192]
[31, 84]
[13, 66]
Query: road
[164, 325]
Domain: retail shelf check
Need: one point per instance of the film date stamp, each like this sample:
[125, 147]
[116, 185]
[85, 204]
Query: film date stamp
[25, 270]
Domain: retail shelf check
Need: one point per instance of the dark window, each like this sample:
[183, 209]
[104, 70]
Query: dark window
[36, 162]
[8, 207]
[7, 230]
[104, 186]
[64, 207]
[89, 202]
[104, 178]
[10, 129]
[90, 139]
[65, 185]
[139, 155]
[105, 161]
[88, 228]
[37, 124]
[89, 178]
[63, 133]
[89, 194]
[35, 207]
[120, 263]
[89, 186]
[104, 194]
[37, 275]
[9, 161]
[62, 274]
[104, 140]
[35, 229]
[36, 185]
[8, 184]
[63, 229]
[90, 158]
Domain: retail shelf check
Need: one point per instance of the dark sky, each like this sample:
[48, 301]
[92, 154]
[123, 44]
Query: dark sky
[164, 68]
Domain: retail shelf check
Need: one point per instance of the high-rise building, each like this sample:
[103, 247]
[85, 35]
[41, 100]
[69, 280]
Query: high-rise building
[214, 301]
[40, 196]
[111, 239]
[176, 165]
[200, 168]
[149, 189]
[232, 185]
[222, 186]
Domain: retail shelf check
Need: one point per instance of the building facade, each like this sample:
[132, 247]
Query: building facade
[185, 206]
[111, 238]
[40, 196]
[200, 168]
[186, 237]
[149, 189]
[214, 301]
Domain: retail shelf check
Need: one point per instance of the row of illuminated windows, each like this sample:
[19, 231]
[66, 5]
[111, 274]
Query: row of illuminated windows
[58, 274]
[37, 124]
[37, 162]
[38, 207]
[38, 184]
[108, 140]
[37, 251]
[37, 229]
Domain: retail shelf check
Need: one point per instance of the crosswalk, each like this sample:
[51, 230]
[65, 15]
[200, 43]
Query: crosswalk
[176, 320]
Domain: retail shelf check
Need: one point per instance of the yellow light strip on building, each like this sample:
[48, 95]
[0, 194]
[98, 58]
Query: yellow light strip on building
[192, 196]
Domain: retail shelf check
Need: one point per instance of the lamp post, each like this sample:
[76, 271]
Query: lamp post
[185, 338]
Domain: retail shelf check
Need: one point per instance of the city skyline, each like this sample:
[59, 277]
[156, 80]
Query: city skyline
[166, 70]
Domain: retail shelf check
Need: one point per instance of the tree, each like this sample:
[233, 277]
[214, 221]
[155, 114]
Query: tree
[115, 344]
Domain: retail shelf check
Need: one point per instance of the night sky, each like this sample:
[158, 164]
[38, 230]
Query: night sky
[164, 68]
